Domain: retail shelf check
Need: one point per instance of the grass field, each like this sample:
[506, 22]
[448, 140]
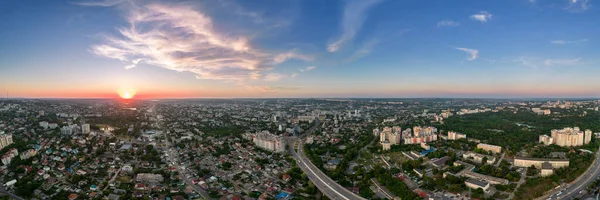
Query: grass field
[124, 179]
[396, 157]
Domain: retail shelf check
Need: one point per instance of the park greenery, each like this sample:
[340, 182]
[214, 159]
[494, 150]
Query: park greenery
[514, 131]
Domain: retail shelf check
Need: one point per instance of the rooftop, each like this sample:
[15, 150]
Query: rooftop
[477, 182]
[546, 165]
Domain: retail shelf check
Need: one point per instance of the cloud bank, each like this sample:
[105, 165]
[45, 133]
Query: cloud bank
[179, 38]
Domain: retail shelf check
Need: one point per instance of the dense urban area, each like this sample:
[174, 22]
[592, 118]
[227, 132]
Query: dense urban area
[300, 149]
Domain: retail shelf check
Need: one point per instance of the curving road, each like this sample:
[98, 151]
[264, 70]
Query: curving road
[578, 187]
[330, 188]
[11, 195]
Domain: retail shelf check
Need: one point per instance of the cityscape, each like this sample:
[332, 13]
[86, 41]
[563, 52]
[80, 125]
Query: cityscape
[299, 99]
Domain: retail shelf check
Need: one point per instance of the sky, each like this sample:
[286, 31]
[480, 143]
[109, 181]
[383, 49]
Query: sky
[299, 48]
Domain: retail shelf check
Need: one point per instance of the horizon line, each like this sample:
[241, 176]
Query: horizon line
[192, 98]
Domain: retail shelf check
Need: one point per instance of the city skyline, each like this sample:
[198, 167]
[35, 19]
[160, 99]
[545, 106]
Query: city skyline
[299, 49]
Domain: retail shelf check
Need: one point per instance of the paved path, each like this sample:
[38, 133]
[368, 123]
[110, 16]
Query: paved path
[500, 160]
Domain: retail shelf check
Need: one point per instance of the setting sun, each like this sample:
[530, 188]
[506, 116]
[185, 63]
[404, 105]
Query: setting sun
[126, 94]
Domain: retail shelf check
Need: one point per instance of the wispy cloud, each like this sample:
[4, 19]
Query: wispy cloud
[306, 69]
[564, 62]
[274, 77]
[482, 16]
[179, 38]
[578, 5]
[292, 55]
[474, 53]
[447, 23]
[547, 62]
[527, 61]
[256, 17]
[309, 68]
[103, 3]
[270, 89]
[133, 63]
[364, 50]
[569, 42]
[288, 88]
[355, 13]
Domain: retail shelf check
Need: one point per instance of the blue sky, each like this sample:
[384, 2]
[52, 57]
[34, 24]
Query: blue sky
[272, 48]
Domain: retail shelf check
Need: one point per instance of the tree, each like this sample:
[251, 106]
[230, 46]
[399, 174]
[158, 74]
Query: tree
[226, 165]
[531, 171]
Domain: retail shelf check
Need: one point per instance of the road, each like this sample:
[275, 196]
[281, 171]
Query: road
[330, 188]
[578, 187]
[172, 157]
[386, 192]
[11, 195]
[112, 180]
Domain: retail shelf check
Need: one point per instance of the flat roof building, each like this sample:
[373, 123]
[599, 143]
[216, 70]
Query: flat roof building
[476, 184]
[537, 162]
[489, 147]
[547, 169]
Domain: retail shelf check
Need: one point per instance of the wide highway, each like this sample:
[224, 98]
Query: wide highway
[330, 188]
[578, 187]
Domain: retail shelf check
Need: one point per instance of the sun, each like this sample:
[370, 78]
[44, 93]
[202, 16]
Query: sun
[127, 94]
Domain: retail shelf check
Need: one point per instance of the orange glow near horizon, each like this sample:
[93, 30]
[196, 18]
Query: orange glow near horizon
[153, 91]
[126, 94]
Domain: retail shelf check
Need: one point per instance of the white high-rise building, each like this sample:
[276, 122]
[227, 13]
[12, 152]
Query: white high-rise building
[28, 154]
[587, 136]
[376, 132]
[5, 140]
[66, 130]
[392, 135]
[269, 141]
[545, 139]
[420, 135]
[383, 136]
[568, 137]
[85, 128]
[395, 135]
[455, 136]
[6, 158]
